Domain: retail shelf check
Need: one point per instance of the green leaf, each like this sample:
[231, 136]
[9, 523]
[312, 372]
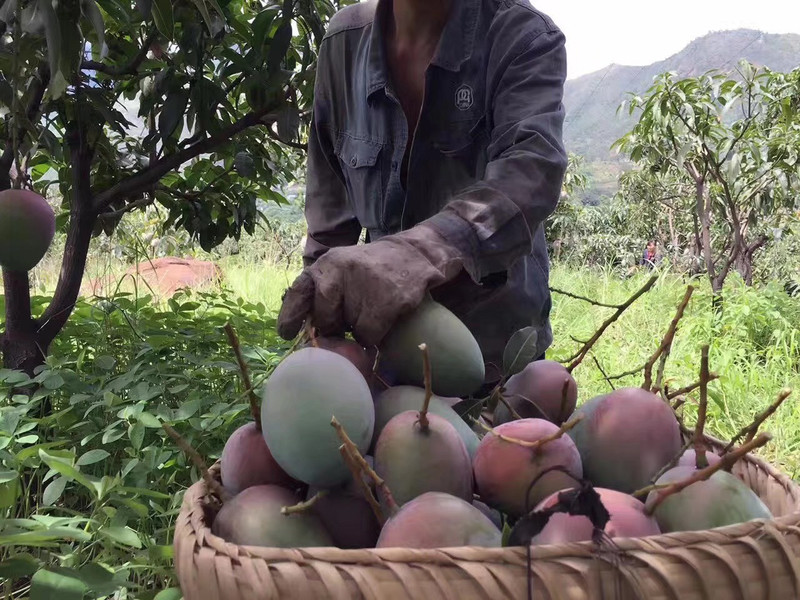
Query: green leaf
[105, 362]
[201, 6]
[95, 17]
[122, 535]
[163, 17]
[47, 585]
[91, 457]
[172, 113]
[53, 491]
[279, 46]
[20, 565]
[52, 27]
[68, 471]
[53, 534]
[6, 476]
[520, 350]
[136, 435]
[169, 594]
[149, 420]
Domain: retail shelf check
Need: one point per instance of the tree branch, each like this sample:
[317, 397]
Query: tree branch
[130, 69]
[140, 203]
[145, 179]
[279, 139]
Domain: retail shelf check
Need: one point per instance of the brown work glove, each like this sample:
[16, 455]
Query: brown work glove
[366, 288]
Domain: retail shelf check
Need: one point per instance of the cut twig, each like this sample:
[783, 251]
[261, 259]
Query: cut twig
[355, 470]
[751, 430]
[198, 461]
[699, 443]
[728, 460]
[678, 403]
[562, 412]
[578, 357]
[666, 344]
[248, 384]
[304, 506]
[690, 388]
[514, 414]
[672, 463]
[584, 298]
[355, 454]
[602, 371]
[426, 366]
[311, 334]
[538, 443]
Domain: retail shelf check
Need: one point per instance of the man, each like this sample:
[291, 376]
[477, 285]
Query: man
[437, 127]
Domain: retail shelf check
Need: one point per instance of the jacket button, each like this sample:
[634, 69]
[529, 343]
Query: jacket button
[353, 161]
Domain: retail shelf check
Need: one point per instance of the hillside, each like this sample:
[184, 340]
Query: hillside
[592, 123]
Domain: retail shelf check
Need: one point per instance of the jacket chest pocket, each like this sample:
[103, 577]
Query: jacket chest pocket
[360, 161]
[465, 142]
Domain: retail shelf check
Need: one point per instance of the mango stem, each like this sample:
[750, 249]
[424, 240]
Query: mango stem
[426, 365]
[193, 455]
[248, 384]
[538, 443]
[302, 507]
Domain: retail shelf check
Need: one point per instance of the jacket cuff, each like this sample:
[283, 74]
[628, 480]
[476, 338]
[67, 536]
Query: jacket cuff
[461, 237]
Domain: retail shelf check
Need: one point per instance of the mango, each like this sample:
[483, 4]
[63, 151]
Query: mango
[538, 392]
[27, 228]
[246, 461]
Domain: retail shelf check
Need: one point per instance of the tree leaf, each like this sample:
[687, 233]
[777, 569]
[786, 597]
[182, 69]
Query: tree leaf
[92, 456]
[67, 470]
[169, 594]
[244, 164]
[136, 435]
[201, 6]
[520, 350]
[145, 8]
[20, 565]
[122, 535]
[164, 18]
[95, 17]
[53, 491]
[172, 113]
[52, 27]
[279, 46]
[47, 585]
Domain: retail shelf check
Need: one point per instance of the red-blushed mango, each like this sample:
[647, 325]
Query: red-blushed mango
[401, 398]
[348, 517]
[721, 500]
[538, 392]
[625, 438]
[457, 367]
[246, 461]
[253, 518]
[413, 461]
[306, 390]
[689, 458]
[350, 349]
[504, 470]
[628, 519]
[439, 520]
[27, 228]
[493, 514]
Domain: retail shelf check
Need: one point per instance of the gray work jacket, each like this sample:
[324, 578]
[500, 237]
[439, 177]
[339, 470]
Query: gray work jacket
[485, 168]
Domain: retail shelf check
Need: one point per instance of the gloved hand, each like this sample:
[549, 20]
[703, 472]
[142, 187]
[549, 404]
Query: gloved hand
[367, 288]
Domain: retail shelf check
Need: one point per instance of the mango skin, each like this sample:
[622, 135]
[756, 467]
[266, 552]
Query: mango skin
[625, 438]
[253, 518]
[628, 519]
[689, 458]
[439, 520]
[401, 398]
[457, 367]
[537, 391]
[27, 228]
[413, 462]
[505, 470]
[721, 500]
[246, 461]
[351, 350]
[348, 518]
[300, 398]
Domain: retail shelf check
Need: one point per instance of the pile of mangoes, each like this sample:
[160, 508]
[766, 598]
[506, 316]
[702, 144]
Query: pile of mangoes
[359, 452]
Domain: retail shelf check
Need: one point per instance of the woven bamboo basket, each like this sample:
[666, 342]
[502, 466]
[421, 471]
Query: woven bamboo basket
[758, 560]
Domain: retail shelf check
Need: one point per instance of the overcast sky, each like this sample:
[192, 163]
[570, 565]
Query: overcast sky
[633, 32]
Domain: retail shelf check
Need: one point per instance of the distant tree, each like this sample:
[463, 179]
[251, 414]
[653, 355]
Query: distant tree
[735, 142]
[562, 223]
[219, 89]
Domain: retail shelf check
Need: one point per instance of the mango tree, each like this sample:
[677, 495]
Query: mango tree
[735, 140]
[193, 106]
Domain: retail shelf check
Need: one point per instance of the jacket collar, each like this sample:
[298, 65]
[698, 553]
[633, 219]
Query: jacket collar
[455, 45]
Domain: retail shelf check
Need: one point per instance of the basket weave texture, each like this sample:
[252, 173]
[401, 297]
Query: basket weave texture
[759, 560]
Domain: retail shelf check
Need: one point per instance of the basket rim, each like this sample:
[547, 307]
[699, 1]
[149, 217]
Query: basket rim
[192, 515]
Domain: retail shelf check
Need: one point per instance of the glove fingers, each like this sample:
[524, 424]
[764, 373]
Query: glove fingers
[297, 305]
[328, 315]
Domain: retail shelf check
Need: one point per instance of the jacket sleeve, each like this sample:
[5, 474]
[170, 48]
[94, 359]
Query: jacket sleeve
[329, 217]
[493, 221]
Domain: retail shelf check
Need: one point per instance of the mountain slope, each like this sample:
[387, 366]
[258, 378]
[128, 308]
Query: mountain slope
[592, 123]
